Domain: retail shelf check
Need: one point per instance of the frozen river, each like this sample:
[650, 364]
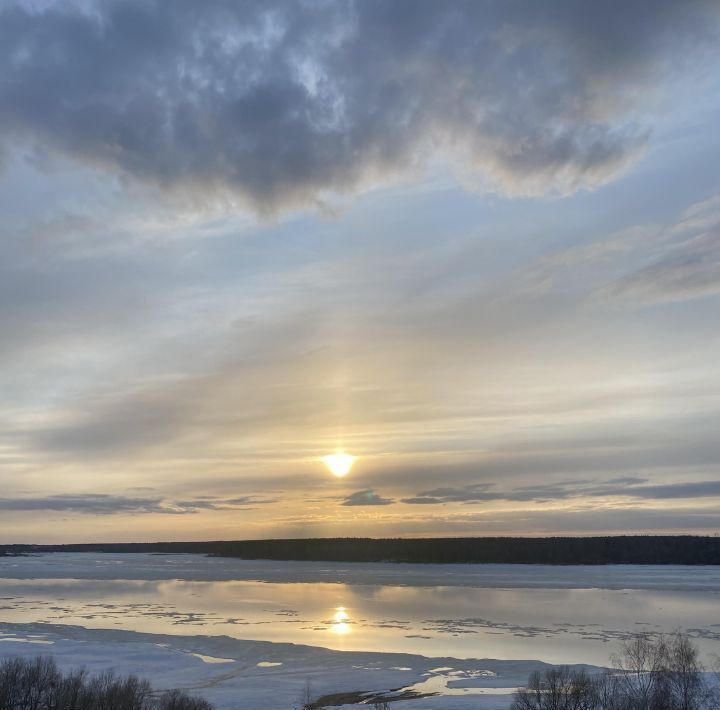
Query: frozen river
[510, 613]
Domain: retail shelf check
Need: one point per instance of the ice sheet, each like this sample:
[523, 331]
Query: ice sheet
[139, 566]
[268, 676]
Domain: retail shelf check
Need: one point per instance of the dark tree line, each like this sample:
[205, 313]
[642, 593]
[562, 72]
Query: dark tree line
[622, 549]
[651, 673]
[38, 684]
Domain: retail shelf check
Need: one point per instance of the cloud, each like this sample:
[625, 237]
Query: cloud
[622, 487]
[90, 503]
[590, 520]
[367, 497]
[423, 500]
[279, 102]
[629, 480]
[214, 503]
[484, 492]
[698, 489]
[248, 500]
[665, 261]
[106, 504]
[689, 271]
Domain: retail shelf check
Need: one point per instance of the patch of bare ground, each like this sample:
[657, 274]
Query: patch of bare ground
[359, 697]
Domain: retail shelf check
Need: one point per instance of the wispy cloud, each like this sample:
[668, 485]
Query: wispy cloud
[687, 271]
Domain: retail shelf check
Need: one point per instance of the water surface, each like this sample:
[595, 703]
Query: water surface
[557, 625]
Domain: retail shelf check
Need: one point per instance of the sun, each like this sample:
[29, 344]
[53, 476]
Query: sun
[339, 463]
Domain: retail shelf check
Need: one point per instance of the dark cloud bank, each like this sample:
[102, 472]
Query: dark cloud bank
[107, 504]
[631, 487]
[278, 102]
[626, 486]
[367, 497]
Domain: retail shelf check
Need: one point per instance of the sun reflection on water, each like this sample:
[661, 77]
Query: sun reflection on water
[340, 623]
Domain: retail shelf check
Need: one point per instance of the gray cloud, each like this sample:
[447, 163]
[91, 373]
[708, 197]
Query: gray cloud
[90, 503]
[588, 520]
[106, 504]
[278, 102]
[699, 489]
[628, 487]
[629, 480]
[214, 503]
[248, 500]
[367, 497]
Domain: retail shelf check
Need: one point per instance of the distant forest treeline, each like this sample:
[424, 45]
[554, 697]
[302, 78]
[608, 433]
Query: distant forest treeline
[628, 549]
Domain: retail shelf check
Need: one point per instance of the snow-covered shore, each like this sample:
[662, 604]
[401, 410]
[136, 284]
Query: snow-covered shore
[258, 675]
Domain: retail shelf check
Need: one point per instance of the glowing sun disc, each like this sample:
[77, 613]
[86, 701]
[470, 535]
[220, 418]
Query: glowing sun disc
[339, 463]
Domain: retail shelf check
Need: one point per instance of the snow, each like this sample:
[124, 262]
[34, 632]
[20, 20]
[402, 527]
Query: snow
[259, 674]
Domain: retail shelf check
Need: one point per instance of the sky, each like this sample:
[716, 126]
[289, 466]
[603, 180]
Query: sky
[475, 245]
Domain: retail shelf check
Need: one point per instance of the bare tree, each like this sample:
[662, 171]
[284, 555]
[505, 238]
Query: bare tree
[642, 662]
[307, 697]
[177, 700]
[71, 691]
[560, 688]
[37, 684]
[653, 672]
[684, 672]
